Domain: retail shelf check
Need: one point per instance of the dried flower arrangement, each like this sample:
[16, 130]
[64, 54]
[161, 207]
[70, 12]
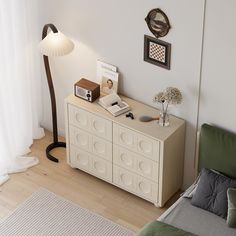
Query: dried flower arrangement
[170, 95]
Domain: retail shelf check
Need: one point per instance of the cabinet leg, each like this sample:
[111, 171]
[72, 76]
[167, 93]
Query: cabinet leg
[72, 166]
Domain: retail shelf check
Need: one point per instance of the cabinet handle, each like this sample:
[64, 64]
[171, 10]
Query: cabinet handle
[126, 161]
[129, 183]
[80, 141]
[79, 119]
[82, 161]
[98, 129]
[101, 170]
[126, 139]
[145, 191]
[148, 151]
[101, 150]
[145, 171]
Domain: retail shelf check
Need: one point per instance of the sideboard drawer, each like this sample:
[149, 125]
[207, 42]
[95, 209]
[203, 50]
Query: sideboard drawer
[90, 163]
[101, 168]
[124, 179]
[101, 148]
[79, 117]
[147, 189]
[136, 163]
[80, 159]
[90, 123]
[135, 183]
[101, 127]
[90, 143]
[80, 138]
[136, 142]
[124, 158]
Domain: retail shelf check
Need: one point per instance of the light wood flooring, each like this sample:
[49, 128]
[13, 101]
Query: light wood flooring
[77, 186]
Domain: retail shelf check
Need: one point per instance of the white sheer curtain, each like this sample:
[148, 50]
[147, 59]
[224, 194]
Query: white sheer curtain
[20, 90]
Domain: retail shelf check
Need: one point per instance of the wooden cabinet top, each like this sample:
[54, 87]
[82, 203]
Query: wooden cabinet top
[152, 129]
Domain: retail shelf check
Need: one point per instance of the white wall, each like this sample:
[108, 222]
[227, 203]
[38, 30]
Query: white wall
[218, 87]
[113, 31]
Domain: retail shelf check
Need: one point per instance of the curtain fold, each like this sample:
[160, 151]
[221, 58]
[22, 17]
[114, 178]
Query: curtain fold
[20, 87]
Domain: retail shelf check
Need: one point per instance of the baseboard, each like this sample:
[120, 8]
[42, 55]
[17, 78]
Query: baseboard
[61, 131]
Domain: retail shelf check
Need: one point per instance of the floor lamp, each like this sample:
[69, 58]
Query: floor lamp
[53, 44]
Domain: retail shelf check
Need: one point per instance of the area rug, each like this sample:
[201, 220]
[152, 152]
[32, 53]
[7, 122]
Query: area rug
[46, 214]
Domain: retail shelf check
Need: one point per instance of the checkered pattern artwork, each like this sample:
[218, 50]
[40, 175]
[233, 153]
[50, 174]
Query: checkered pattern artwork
[157, 52]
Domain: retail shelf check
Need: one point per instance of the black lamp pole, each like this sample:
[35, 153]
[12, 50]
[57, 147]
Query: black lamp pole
[55, 143]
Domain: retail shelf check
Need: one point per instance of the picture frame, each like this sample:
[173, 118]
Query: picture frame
[157, 52]
[109, 83]
[108, 77]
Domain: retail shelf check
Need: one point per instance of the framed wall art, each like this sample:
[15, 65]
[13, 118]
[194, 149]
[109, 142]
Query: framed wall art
[157, 52]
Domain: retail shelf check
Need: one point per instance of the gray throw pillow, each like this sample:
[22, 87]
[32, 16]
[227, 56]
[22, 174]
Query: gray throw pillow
[211, 192]
[231, 218]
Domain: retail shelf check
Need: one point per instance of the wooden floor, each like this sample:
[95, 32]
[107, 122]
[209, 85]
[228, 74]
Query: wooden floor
[77, 186]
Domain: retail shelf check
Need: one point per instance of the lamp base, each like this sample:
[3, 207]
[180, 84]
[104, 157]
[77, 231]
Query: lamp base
[50, 147]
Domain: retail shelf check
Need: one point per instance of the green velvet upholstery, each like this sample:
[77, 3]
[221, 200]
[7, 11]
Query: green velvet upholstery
[157, 228]
[217, 150]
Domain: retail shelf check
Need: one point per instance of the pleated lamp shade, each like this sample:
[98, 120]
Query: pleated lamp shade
[56, 44]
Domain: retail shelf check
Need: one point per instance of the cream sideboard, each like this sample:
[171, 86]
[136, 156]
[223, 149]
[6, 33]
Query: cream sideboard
[142, 158]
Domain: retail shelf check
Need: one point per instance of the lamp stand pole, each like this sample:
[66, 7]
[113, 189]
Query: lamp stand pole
[55, 143]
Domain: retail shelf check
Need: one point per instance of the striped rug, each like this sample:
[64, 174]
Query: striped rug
[46, 214]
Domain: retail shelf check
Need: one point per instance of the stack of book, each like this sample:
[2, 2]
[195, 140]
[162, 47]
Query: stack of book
[114, 104]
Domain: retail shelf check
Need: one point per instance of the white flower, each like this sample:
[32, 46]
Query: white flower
[173, 95]
[160, 97]
[170, 95]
